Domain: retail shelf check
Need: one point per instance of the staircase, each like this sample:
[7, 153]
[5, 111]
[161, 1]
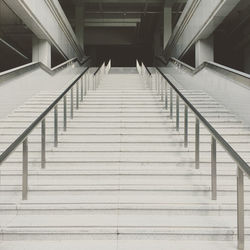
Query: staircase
[120, 177]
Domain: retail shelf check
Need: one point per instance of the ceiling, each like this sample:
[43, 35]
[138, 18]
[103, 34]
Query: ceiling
[113, 22]
[133, 20]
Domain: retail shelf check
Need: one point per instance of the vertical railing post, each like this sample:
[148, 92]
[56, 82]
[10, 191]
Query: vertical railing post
[81, 88]
[85, 83]
[185, 126]
[161, 84]
[88, 81]
[157, 80]
[25, 170]
[166, 95]
[177, 112]
[65, 113]
[77, 95]
[213, 169]
[171, 102]
[43, 143]
[197, 143]
[72, 103]
[240, 209]
[157, 84]
[55, 126]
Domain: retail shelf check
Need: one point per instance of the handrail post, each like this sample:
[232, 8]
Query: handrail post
[65, 113]
[55, 126]
[43, 143]
[171, 103]
[77, 95]
[185, 126]
[81, 88]
[177, 112]
[88, 77]
[213, 169]
[157, 80]
[166, 95]
[240, 209]
[85, 84]
[161, 84]
[197, 143]
[72, 103]
[25, 170]
[157, 83]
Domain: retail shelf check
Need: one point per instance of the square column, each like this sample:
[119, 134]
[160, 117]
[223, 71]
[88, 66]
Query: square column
[167, 24]
[204, 51]
[79, 28]
[41, 51]
[247, 60]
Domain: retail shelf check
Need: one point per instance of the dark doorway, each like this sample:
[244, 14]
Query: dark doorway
[120, 55]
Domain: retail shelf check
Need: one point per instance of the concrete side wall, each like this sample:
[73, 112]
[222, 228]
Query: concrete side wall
[18, 87]
[232, 92]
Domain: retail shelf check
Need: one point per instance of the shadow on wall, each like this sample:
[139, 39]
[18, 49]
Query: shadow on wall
[121, 56]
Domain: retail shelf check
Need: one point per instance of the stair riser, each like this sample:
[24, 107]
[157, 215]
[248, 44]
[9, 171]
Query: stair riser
[118, 180]
[170, 193]
[123, 211]
[120, 236]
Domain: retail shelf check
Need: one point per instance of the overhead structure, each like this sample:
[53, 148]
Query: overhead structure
[193, 26]
[48, 22]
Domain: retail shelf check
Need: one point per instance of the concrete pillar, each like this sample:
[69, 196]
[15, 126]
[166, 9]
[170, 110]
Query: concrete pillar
[79, 30]
[204, 51]
[167, 24]
[157, 43]
[246, 54]
[41, 51]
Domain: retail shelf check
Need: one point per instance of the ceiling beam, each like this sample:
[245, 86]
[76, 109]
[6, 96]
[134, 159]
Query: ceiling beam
[121, 12]
[110, 24]
[78, 2]
[112, 20]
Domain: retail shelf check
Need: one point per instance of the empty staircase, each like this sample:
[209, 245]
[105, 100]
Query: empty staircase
[120, 177]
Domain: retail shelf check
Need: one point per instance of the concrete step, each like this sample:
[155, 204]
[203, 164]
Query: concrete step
[118, 244]
[102, 207]
[107, 227]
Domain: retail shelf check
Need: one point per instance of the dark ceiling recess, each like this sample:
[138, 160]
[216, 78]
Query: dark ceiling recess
[15, 44]
[122, 44]
[232, 37]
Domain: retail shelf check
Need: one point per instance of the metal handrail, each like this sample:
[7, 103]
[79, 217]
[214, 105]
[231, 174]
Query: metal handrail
[99, 68]
[39, 119]
[236, 157]
[162, 89]
[143, 65]
[142, 70]
[148, 70]
[23, 138]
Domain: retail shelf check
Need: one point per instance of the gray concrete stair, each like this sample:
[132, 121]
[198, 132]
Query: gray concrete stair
[120, 177]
